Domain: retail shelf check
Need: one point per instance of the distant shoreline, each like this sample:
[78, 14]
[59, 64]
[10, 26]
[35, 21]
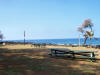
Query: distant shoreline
[71, 41]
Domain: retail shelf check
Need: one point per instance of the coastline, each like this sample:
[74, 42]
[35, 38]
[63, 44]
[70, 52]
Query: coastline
[69, 41]
[67, 45]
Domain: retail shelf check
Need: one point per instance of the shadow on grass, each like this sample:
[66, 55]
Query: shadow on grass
[19, 62]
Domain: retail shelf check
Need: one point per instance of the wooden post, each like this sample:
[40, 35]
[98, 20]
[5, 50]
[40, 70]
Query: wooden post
[24, 37]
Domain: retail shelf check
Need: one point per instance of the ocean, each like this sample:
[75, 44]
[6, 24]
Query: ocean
[74, 41]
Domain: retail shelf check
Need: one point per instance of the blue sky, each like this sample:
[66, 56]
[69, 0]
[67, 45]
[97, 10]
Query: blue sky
[47, 19]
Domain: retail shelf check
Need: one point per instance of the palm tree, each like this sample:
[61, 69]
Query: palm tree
[90, 35]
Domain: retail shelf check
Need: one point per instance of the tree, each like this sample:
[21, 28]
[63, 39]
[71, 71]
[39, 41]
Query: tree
[87, 30]
[1, 36]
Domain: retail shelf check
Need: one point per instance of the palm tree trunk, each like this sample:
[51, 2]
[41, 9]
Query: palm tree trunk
[90, 41]
[85, 39]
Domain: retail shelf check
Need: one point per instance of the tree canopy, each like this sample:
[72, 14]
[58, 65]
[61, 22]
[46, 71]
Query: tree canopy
[86, 29]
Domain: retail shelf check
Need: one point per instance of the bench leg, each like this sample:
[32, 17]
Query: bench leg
[73, 55]
[53, 53]
[92, 57]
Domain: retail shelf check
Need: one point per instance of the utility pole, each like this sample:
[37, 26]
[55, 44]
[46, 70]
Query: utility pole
[24, 37]
[79, 40]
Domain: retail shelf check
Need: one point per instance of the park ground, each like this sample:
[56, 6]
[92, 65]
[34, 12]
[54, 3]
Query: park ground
[19, 59]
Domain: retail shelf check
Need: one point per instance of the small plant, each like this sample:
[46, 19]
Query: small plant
[1, 36]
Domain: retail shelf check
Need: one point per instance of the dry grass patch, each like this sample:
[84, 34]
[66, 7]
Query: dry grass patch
[27, 60]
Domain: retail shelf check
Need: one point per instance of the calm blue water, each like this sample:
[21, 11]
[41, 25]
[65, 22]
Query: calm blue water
[60, 41]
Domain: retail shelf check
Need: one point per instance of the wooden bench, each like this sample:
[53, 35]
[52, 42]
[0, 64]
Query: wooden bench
[90, 54]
